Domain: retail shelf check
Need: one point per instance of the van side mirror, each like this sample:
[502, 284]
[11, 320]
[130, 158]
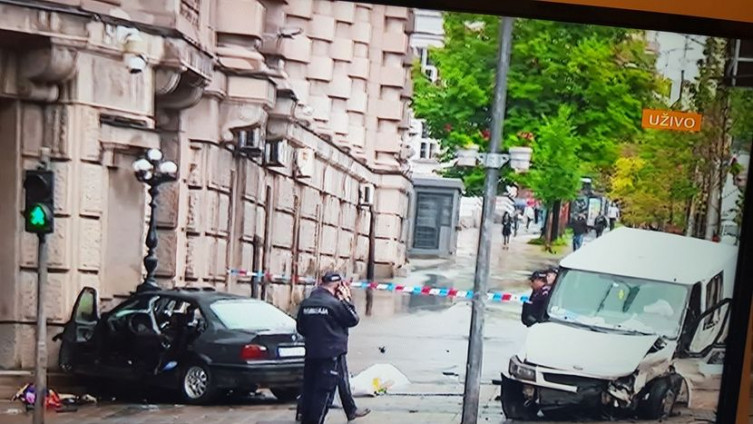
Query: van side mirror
[707, 336]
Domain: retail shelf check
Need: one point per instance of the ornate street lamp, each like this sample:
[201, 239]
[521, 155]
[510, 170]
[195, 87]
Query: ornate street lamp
[153, 171]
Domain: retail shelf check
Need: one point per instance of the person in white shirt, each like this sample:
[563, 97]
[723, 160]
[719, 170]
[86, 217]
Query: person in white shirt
[529, 216]
[613, 213]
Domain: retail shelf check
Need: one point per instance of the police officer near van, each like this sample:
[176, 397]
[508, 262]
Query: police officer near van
[324, 319]
[535, 307]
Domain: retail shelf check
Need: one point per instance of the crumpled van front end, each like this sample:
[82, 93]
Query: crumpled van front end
[564, 369]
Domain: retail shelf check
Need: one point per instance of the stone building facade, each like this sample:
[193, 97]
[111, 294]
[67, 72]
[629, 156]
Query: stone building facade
[282, 117]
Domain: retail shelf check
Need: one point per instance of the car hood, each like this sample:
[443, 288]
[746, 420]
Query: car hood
[585, 352]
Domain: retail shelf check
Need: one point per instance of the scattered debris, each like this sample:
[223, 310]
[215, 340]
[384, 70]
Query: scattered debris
[450, 374]
[377, 379]
[382, 349]
[53, 400]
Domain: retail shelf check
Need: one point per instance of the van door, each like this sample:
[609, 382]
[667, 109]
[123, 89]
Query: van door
[703, 360]
[712, 326]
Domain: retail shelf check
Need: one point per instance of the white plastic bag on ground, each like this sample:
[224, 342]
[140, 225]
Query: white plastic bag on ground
[377, 379]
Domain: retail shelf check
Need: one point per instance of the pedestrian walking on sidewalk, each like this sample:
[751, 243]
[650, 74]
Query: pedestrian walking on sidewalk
[324, 319]
[580, 229]
[529, 216]
[600, 224]
[613, 213]
[506, 230]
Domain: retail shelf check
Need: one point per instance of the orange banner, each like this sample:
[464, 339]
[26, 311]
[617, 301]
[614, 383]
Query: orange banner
[671, 120]
[728, 10]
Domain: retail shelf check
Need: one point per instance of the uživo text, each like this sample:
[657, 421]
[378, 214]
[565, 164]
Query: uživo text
[671, 120]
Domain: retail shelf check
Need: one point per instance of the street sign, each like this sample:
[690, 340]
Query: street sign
[671, 120]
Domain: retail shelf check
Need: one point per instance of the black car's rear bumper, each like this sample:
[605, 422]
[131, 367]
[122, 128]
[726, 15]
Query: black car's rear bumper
[288, 373]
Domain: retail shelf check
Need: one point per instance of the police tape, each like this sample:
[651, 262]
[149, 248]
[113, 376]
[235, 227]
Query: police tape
[439, 292]
[270, 277]
[391, 287]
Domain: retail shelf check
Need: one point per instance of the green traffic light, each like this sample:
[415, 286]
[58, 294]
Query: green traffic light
[37, 216]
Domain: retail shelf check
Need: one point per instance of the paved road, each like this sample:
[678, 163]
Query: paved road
[424, 344]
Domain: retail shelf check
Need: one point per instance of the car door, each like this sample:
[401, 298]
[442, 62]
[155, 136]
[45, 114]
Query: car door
[78, 343]
[122, 332]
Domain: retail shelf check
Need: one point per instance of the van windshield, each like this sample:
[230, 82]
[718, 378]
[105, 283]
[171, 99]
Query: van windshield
[608, 302]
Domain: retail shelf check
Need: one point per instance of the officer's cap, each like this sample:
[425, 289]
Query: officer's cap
[331, 277]
[538, 275]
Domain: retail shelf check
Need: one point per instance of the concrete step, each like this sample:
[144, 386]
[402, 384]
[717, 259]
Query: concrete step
[12, 380]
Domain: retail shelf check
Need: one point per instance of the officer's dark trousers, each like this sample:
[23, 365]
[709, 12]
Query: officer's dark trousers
[343, 388]
[320, 378]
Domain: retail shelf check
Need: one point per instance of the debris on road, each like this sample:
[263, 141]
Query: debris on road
[54, 400]
[378, 379]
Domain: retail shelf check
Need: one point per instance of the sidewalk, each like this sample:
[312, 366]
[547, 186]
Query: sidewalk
[422, 404]
[509, 269]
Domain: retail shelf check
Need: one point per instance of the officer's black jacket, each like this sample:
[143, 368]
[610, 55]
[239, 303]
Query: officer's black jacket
[324, 320]
[535, 309]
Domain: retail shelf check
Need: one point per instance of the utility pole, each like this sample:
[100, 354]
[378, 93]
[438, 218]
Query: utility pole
[370, 261]
[40, 372]
[481, 277]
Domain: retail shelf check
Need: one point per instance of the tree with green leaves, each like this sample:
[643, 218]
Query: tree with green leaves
[603, 74]
[675, 180]
[556, 171]
[653, 179]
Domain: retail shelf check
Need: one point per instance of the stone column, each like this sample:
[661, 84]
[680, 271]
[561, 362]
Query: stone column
[178, 88]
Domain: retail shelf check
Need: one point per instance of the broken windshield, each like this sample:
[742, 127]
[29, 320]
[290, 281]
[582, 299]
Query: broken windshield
[632, 305]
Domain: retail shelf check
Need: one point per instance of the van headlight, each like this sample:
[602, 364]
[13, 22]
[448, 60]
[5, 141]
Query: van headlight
[521, 371]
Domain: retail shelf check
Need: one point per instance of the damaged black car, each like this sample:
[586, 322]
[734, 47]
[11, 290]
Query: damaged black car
[199, 342]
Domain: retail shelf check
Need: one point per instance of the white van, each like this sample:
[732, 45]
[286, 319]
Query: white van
[635, 324]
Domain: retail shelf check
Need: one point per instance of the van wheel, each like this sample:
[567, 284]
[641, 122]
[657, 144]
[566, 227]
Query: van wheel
[659, 401]
[513, 403]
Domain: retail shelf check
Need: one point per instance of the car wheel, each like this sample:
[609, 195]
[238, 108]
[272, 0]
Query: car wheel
[197, 385]
[286, 394]
[658, 401]
[513, 403]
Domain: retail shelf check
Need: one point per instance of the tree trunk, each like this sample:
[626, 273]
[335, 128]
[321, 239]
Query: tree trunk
[548, 232]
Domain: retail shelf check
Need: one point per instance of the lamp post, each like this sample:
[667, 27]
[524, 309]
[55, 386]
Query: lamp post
[153, 171]
[519, 159]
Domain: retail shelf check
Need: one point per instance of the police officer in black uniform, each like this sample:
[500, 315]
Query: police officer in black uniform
[324, 319]
[535, 308]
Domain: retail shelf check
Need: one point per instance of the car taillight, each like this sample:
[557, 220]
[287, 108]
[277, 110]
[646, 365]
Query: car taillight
[251, 352]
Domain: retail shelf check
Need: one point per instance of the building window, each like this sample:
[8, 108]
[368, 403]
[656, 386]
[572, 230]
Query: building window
[423, 153]
[432, 150]
[424, 130]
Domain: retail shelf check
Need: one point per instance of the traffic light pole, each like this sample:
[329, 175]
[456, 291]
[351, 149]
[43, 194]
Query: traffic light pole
[40, 370]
